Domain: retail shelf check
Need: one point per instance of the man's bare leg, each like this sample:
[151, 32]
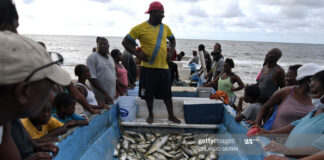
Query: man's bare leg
[169, 105]
[149, 104]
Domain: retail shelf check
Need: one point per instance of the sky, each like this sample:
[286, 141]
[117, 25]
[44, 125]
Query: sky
[293, 21]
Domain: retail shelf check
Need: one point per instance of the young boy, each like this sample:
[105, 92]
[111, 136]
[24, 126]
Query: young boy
[42, 126]
[65, 107]
[251, 94]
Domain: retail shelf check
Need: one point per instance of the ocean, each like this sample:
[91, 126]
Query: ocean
[248, 56]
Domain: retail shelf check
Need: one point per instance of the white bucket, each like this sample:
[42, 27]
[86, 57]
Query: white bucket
[127, 109]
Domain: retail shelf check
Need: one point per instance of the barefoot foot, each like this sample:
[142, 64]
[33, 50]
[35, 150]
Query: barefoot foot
[149, 120]
[174, 119]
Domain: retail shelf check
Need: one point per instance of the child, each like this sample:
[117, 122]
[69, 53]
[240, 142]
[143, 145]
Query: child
[251, 94]
[65, 107]
[83, 74]
[43, 125]
[122, 81]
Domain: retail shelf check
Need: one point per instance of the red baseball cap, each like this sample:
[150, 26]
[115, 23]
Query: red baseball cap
[156, 5]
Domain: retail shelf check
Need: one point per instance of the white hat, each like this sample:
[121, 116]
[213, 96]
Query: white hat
[20, 56]
[306, 70]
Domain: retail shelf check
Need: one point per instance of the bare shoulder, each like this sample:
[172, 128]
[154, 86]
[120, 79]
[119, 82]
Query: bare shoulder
[283, 91]
[280, 70]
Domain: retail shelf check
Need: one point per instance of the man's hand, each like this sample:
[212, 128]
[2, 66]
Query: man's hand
[109, 99]
[40, 156]
[47, 147]
[142, 56]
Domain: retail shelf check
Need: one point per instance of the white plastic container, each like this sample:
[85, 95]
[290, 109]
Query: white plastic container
[127, 108]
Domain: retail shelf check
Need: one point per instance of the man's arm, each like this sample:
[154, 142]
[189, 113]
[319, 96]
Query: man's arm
[172, 45]
[81, 99]
[130, 47]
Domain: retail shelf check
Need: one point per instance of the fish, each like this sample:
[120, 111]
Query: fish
[141, 150]
[165, 153]
[167, 148]
[193, 158]
[187, 151]
[159, 156]
[201, 156]
[133, 146]
[131, 157]
[123, 156]
[151, 157]
[143, 145]
[141, 137]
[125, 144]
[158, 143]
[116, 153]
[129, 139]
[183, 153]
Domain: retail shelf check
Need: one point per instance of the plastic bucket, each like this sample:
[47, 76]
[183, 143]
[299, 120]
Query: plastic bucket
[127, 108]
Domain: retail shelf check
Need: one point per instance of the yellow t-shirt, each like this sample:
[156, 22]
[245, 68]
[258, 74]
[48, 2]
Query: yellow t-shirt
[34, 133]
[153, 40]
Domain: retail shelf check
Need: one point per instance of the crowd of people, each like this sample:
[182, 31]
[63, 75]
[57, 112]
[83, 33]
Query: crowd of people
[39, 98]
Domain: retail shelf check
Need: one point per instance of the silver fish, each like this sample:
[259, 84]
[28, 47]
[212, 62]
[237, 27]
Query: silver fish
[118, 146]
[131, 157]
[129, 139]
[158, 143]
[159, 156]
[165, 153]
[116, 153]
[139, 155]
[141, 150]
[125, 144]
[133, 146]
[193, 158]
[167, 148]
[143, 145]
[201, 156]
[183, 153]
[187, 151]
[151, 157]
[123, 156]
[141, 137]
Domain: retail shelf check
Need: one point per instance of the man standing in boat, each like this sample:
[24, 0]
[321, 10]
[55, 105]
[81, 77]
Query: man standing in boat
[155, 76]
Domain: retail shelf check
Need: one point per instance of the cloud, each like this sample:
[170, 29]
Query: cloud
[232, 10]
[264, 20]
[28, 1]
[101, 1]
[197, 12]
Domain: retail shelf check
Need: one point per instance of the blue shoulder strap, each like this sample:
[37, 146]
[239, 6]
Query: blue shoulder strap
[157, 45]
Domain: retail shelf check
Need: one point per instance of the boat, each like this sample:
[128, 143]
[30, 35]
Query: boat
[201, 116]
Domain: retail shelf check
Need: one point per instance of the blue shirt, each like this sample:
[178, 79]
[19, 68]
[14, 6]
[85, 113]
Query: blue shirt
[308, 131]
[68, 118]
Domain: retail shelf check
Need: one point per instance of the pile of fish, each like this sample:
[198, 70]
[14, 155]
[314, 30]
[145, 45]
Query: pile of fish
[155, 146]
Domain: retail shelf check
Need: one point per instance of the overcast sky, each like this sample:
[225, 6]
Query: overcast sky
[300, 21]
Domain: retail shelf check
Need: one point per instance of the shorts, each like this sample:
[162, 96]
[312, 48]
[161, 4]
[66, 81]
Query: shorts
[155, 83]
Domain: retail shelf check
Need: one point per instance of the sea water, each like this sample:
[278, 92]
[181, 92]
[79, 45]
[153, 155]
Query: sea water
[248, 56]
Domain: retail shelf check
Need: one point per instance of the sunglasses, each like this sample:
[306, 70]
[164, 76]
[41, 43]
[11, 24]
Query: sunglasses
[56, 58]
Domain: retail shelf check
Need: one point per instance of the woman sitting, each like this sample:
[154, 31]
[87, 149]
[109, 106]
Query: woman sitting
[293, 102]
[226, 80]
